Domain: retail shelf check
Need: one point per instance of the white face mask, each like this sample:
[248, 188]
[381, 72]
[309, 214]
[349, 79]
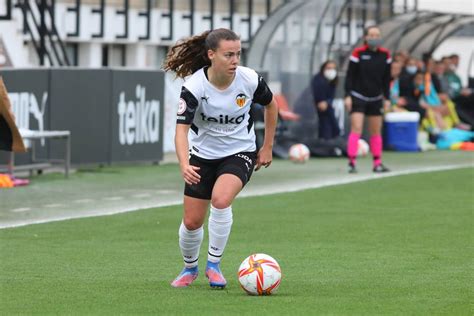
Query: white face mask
[411, 69]
[330, 74]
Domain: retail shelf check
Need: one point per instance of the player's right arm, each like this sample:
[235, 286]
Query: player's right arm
[190, 173]
[350, 78]
[186, 110]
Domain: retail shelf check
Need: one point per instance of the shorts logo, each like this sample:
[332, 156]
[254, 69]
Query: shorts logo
[244, 157]
[181, 106]
[240, 100]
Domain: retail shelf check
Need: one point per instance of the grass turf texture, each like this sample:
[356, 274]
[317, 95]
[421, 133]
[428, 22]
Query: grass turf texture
[400, 245]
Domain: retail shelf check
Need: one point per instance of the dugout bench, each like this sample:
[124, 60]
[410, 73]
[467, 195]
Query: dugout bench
[36, 164]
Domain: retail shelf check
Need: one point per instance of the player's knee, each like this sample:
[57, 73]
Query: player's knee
[191, 223]
[221, 202]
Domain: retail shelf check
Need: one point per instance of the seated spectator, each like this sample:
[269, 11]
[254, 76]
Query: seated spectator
[397, 102]
[454, 82]
[439, 72]
[454, 61]
[430, 99]
[323, 86]
[451, 119]
[408, 71]
[440, 112]
[462, 97]
[401, 56]
[411, 68]
[430, 102]
[402, 89]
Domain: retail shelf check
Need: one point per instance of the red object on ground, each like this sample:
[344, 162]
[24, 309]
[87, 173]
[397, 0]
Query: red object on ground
[469, 146]
[8, 181]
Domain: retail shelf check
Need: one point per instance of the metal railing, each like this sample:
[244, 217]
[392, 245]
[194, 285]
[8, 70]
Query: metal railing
[39, 24]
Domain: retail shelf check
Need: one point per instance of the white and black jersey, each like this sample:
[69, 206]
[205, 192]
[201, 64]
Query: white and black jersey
[220, 120]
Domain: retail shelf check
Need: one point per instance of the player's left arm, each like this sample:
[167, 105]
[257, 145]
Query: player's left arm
[265, 154]
[386, 81]
[264, 96]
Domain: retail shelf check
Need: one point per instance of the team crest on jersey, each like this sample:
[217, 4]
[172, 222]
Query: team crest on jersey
[240, 99]
[181, 106]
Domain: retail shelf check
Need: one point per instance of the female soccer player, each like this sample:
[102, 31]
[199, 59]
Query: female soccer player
[215, 141]
[367, 93]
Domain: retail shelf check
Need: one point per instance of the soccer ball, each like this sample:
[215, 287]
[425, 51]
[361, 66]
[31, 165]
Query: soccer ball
[299, 153]
[259, 274]
[362, 148]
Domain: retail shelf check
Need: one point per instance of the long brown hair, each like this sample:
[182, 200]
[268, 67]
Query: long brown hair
[189, 55]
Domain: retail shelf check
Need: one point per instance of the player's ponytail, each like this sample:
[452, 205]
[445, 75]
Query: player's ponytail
[190, 55]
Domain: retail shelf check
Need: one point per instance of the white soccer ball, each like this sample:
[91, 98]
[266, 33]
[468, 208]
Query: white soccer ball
[362, 148]
[259, 274]
[299, 153]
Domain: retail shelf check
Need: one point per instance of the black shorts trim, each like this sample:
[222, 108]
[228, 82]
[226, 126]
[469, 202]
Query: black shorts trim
[369, 108]
[239, 164]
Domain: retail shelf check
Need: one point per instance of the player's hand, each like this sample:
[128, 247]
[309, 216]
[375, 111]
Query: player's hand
[322, 106]
[190, 174]
[387, 105]
[348, 103]
[264, 158]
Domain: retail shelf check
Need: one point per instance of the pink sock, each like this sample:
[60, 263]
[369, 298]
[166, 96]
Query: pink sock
[352, 145]
[376, 148]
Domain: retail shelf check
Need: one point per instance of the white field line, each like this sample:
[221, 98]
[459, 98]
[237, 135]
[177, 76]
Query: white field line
[347, 178]
[141, 195]
[21, 209]
[113, 198]
[279, 188]
[167, 191]
[83, 201]
[54, 205]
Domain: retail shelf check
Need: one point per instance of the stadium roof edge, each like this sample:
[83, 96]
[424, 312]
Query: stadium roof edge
[415, 31]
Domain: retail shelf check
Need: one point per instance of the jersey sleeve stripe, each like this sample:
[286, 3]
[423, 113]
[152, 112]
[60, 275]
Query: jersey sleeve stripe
[194, 128]
[354, 59]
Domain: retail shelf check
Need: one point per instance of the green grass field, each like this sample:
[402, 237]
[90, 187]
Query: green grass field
[400, 245]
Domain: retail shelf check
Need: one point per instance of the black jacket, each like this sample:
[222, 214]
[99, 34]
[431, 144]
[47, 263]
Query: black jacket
[368, 74]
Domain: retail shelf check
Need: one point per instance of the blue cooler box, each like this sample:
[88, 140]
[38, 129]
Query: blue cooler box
[401, 130]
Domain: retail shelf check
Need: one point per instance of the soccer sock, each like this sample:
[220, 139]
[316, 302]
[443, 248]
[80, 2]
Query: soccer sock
[352, 145]
[189, 243]
[220, 223]
[376, 148]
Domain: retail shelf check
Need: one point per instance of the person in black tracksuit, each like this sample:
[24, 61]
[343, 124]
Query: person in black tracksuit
[367, 89]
